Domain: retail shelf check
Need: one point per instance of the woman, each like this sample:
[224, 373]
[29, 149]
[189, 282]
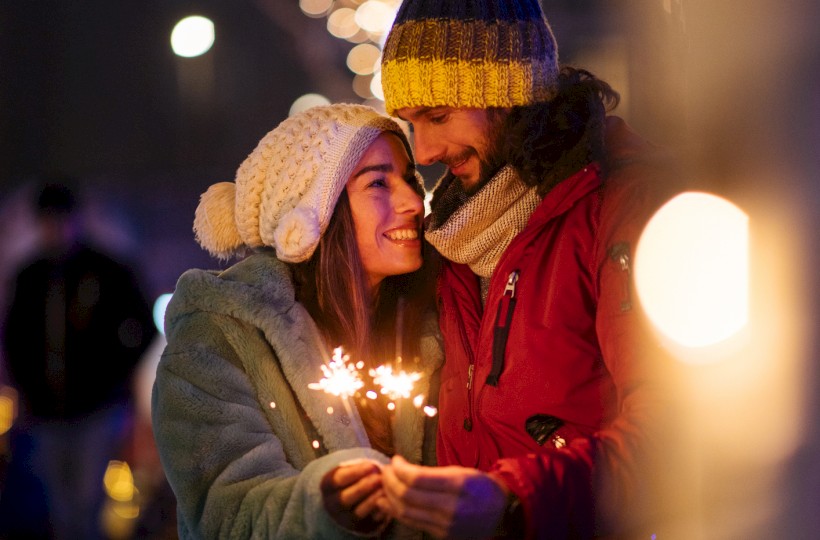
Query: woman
[329, 207]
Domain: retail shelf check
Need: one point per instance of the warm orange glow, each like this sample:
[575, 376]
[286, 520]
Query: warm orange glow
[692, 270]
[119, 482]
[8, 408]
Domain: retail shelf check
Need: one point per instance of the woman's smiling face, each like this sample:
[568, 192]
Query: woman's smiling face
[387, 210]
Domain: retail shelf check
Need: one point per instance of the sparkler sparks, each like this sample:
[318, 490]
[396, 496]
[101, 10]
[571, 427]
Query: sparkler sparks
[340, 378]
[394, 385]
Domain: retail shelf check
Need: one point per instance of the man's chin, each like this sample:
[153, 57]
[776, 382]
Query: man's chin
[469, 184]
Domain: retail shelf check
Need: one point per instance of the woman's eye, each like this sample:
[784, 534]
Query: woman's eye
[379, 182]
[439, 119]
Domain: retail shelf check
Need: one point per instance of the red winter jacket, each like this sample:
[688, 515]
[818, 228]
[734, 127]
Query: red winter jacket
[563, 404]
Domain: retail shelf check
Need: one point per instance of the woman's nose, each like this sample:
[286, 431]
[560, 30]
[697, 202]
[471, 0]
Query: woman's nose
[408, 200]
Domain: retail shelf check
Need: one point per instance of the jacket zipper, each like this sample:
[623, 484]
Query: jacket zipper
[619, 253]
[501, 332]
[468, 421]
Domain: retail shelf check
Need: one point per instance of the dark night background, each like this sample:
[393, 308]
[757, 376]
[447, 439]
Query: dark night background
[91, 88]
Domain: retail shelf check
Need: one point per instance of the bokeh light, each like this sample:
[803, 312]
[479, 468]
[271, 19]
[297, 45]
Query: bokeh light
[160, 304]
[315, 8]
[192, 36]
[307, 101]
[375, 17]
[692, 270]
[361, 85]
[8, 408]
[365, 23]
[363, 59]
[342, 23]
[118, 481]
[376, 85]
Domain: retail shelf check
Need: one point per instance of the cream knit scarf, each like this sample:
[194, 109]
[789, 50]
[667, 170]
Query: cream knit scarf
[481, 227]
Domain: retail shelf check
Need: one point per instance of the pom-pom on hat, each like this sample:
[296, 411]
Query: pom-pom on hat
[469, 53]
[287, 188]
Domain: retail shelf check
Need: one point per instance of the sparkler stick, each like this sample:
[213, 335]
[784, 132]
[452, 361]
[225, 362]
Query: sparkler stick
[396, 384]
[399, 330]
[394, 381]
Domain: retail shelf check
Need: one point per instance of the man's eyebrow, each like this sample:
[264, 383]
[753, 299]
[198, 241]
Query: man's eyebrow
[420, 112]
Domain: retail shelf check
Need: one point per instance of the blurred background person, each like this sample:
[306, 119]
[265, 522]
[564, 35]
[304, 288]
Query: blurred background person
[77, 324]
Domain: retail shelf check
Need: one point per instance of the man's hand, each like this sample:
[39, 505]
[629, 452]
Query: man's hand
[451, 502]
[349, 494]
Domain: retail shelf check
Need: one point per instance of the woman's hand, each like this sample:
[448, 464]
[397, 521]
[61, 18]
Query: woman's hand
[350, 493]
[447, 502]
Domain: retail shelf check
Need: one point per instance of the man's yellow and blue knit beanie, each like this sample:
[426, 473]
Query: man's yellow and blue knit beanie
[469, 53]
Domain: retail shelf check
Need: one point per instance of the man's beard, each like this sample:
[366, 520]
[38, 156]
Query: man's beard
[454, 194]
[494, 160]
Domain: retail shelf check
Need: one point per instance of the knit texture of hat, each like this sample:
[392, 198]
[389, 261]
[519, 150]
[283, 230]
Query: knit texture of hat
[469, 53]
[287, 188]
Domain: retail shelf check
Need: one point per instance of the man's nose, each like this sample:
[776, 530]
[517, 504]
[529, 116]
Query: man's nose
[426, 150]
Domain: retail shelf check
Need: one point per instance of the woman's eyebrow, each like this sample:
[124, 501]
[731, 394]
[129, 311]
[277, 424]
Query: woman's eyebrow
[381, 167]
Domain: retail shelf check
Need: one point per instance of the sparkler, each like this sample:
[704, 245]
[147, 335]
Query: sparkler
[394, 385]
[342, 379]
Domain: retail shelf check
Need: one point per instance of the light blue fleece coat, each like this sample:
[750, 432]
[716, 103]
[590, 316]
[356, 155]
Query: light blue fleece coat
[235, 421]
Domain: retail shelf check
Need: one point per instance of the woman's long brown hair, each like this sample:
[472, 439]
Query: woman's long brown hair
[333, 287]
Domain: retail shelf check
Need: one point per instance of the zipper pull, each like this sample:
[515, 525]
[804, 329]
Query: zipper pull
[470, 376]
[510, 286]
[501, 329]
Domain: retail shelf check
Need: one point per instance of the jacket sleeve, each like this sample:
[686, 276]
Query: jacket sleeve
[228, 470]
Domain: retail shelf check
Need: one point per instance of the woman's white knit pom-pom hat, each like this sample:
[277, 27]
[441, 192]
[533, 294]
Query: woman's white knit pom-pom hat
[287, 188]
[297, 234]
[214, 223]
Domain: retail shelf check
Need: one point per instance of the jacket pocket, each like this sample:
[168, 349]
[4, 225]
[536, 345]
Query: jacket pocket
[620, 256]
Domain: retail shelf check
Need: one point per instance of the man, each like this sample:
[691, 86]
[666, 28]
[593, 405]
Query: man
[546, 408]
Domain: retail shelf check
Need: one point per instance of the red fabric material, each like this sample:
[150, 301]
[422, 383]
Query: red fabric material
[576, 350]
